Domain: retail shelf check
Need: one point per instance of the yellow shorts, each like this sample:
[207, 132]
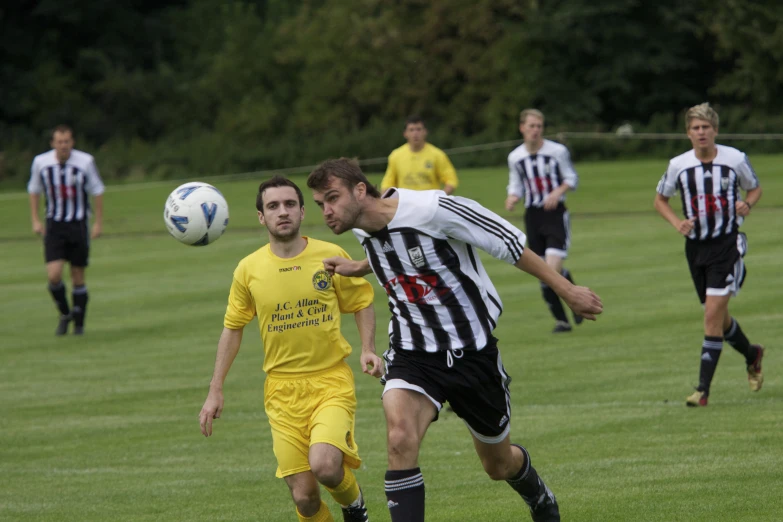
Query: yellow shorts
[307, 409]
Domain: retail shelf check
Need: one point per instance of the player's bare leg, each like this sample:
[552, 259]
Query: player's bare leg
[54, 274]
[328, 467]
[408, 415]
[307, 497]
[511, 462]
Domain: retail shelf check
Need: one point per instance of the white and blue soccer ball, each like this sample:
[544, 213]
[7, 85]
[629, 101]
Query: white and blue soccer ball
[196, 214]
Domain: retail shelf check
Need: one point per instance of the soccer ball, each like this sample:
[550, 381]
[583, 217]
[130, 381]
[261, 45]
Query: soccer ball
[196, 213]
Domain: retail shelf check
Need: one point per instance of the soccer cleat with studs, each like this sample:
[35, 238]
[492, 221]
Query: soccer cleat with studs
[696, 399]
[755, 377]
[356, 512]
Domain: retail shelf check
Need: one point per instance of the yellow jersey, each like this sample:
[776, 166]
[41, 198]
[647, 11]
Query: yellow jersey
[427, 169]
[298, 305]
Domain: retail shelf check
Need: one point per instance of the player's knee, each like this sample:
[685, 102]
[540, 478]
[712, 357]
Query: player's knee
[307, 500]
[714, 318]
[77, 276]
[327, 471]
[402, 440]
[54, 275]
[497, 469]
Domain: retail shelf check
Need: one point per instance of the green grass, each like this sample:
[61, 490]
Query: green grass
[105, 427]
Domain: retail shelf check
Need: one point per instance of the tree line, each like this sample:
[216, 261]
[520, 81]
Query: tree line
[197, 87]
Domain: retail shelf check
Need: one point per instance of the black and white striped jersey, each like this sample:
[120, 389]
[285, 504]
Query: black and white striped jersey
[440, 296]
[534, 176]
[66, 186]
[710, 191]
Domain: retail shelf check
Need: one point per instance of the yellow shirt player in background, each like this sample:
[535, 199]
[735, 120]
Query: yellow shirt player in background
[309, 393]
[419, 165]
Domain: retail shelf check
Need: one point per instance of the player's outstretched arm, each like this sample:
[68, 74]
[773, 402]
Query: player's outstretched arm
[580, 299]
[228, 347]
[347, 267]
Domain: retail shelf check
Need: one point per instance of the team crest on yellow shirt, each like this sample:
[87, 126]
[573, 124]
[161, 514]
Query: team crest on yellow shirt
[322, 280]
[427, 164]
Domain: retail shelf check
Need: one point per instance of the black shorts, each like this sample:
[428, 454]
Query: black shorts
[475, 384]
[548, 231]
[67, 240]
[717, 266]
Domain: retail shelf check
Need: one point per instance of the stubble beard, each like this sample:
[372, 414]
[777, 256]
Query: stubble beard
[286, 237]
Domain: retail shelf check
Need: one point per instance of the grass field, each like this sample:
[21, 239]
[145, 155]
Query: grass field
[105, 427]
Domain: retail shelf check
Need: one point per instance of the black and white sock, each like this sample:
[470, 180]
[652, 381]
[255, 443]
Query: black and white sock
[555, 306]
[405, 495]
[80, 298]
[710, 354]
[527, 482]
[736, 338]
[58, 294]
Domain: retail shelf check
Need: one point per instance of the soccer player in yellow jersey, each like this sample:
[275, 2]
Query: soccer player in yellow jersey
[309, 392]
[419, 165]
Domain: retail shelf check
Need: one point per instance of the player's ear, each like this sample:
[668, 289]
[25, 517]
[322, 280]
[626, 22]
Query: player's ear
[261, 218]
[360, 190]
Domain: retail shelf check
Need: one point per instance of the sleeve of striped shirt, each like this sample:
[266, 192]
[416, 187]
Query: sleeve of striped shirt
[35, 186]
[667, 187]
[747, 176]
[570, 177]
[464, 219]
[93, 183]
[515, 186]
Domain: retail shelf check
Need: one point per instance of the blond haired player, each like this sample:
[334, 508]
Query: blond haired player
[710, 179]
[419, 165]
[309, 392]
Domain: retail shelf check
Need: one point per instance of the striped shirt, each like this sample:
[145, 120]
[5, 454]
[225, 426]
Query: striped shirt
[710, 191]
[440, 296]
[534, 176]
[66, 186]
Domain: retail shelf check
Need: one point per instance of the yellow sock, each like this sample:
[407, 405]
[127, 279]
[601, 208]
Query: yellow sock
[322, 515]
[348, 491]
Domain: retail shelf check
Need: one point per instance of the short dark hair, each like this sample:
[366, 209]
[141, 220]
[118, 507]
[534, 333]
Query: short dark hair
[345, 169]
[62, 128]
[276, 181]
[413, 119]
